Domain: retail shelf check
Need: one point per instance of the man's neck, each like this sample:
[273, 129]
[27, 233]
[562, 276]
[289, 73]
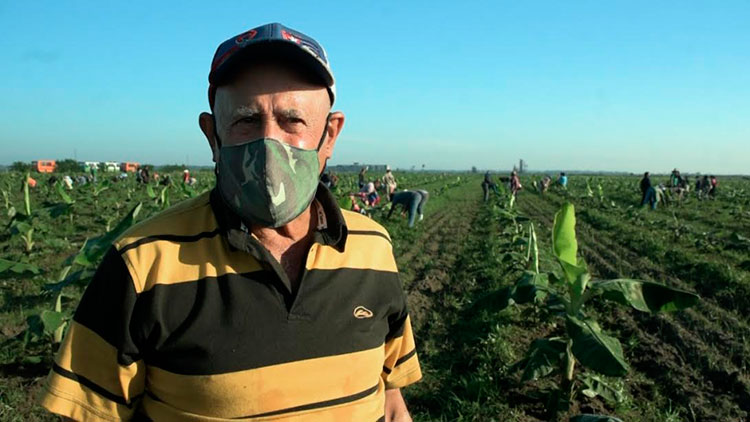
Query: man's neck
[290, 233]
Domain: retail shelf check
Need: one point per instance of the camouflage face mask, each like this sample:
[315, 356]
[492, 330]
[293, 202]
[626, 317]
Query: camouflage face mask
[266, 181]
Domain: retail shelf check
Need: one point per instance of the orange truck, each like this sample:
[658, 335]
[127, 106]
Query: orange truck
[44, 166]
[129, 167]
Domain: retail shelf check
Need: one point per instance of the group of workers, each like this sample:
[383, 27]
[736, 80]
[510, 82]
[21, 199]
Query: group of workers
[142, 175]
[678, 185]
[513, 183]
[373, 192]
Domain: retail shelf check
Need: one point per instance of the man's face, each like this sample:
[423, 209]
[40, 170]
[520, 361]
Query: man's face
[269, 100]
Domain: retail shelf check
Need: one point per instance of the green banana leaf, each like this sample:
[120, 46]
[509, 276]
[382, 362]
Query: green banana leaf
[17, 267]
[564, 242]
[530, 287]
[95, 248]
[543, 358]
[495, 301]
[645, 296]
[595, 386]
[594, 349]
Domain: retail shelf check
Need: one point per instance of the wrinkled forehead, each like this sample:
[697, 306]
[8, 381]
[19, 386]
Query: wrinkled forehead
[271, 83]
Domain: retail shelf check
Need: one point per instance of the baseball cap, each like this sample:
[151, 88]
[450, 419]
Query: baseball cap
[270, 40]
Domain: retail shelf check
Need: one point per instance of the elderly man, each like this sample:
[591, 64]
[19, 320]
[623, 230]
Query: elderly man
[259, 300]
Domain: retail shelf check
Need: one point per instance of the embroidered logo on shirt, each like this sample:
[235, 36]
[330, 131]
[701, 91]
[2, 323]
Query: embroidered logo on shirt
[360, 312]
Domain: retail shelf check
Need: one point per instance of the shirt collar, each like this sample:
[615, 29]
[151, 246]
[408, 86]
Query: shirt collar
[331, 227]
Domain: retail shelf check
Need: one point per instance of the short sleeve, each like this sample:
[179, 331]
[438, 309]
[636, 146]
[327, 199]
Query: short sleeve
[98, 374]
[401, 366]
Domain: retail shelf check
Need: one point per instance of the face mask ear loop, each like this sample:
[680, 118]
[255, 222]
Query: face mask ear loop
[218, 144]
[325, 130]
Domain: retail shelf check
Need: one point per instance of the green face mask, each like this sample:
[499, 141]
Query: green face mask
[266, 181]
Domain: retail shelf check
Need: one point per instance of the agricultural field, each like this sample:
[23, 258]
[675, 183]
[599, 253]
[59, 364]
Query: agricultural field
[535, 308]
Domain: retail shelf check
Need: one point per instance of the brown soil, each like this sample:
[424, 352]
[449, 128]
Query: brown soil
[696, 358]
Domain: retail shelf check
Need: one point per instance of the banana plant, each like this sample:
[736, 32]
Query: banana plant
[163, 199]
[583, 341]
[17, 268]
[21, 225]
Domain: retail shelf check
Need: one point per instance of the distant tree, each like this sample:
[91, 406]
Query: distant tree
[168, 168]
[473, 169]
[20, 166]
[68, 165]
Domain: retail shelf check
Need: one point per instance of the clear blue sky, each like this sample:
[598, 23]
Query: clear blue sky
[630, 85]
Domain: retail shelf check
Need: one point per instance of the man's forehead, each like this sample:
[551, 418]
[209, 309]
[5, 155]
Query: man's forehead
[236, 100]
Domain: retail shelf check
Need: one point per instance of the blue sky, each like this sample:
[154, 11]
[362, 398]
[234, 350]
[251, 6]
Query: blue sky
[587, 85]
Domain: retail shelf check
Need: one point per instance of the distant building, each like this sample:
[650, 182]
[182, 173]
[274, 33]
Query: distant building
[129, 167]
[88, 165]
[112, 166]
[44, 166]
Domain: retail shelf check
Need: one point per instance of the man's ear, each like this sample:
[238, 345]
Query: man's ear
[207, 124]
[333, 129]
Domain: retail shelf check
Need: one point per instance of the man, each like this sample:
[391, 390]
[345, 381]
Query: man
[362, 177]
[714, 185]
[261, 299]
[369, 193]
[546, 181]
[411, 201]
[488, 184]
[645, 186]
[515, 183]
[563, 180]
[420, 207]
[389, 181]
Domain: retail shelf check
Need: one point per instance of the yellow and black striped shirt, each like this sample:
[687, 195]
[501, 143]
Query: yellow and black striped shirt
[189, 318]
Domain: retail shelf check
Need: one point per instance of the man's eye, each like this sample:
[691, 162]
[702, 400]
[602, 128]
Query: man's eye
[249, 120]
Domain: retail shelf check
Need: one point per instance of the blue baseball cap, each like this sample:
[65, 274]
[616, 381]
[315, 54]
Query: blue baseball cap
[271, 40]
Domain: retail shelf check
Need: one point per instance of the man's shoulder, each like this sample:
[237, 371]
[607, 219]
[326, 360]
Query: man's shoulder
[358, 223]
[188, 218]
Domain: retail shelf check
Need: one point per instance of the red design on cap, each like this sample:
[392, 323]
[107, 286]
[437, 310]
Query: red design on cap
[247, 36]
[289, 37]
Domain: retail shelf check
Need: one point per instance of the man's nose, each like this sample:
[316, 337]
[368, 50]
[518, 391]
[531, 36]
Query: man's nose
[270, 128]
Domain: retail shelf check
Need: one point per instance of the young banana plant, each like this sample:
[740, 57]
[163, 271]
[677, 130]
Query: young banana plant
[583, 341]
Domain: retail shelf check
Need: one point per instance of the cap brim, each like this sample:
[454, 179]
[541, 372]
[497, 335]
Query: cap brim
[285, 51]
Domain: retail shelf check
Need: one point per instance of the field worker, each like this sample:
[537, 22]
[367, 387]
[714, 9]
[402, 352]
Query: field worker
[68, 182]
[488, 184]
[544, 185]
[369, 193]
[409, 201]
[420, 207]
[714, 185]
[705, 185]
[515, 183]
[186, 176]
[260, 299]
[563, 180]
[675, 179]
[363, 177]
[389, 181]
[645, 186]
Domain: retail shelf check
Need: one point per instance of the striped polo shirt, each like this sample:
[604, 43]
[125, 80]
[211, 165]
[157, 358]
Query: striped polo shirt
[189, 318]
